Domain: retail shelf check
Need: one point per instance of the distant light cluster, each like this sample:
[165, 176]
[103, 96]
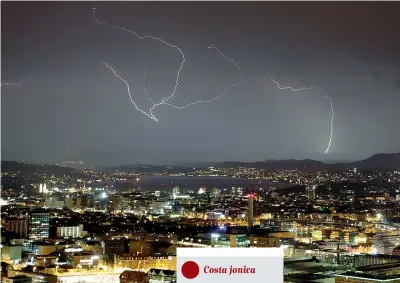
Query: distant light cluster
[164, 100]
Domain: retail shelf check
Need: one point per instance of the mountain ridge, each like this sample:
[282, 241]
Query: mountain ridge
[380, 161]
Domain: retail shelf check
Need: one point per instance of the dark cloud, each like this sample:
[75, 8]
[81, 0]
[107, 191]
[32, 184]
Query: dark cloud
[74, 108]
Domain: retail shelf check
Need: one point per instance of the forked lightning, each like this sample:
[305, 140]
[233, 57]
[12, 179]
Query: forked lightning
[164, 100]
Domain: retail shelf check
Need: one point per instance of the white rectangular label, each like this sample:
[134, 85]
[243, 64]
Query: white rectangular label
[233, 265]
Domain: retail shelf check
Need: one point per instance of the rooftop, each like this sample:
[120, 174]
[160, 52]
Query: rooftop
[369, 276]
[379, 266]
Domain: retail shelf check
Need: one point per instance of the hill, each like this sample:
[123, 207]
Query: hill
[383, 161]
[274, 165]
[12, 166]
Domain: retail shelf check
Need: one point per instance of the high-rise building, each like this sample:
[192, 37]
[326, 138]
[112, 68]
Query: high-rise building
[38, 224]
[311, 193]
[17, 225]
[51, 202]
[68, 202]
[250, 212]
[44, 189]
[216, 192]
[175, 192]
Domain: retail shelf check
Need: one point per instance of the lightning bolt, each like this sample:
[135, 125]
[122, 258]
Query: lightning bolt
[151, 116]
[144, 84]
[224, 91]
[325, 96]
[14, 83]
[164, 100]
[333, 115]
[289, 87]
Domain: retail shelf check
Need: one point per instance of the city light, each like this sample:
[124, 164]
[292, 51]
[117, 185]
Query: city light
[204, 195]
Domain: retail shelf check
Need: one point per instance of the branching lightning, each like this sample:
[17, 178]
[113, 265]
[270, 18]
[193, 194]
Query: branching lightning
[325, 96]
[151, 116]
[222, 93]
[164, 100]
[14, 83]
[289, 87]
[144, 85]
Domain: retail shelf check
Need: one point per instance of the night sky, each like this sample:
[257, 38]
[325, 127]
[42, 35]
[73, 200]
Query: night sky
[74, 108]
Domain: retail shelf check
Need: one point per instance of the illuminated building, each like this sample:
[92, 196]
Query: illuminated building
[212, 215]
[114, 203]
[360, 278]
[45, 261]
[140, 248]
[40, 248]
[282, 234]
[350, 237]
[68, 202]
[157, 206]
[250, 213]
[216, 192]
[35, 276]
[385, 244]
[161, 276]
[54, 202]
[230, 240]
[11, 253]
[85, 259]
[334, 235]
[129, 276]
[145, 263]
[43, 189]
[112, 247]
[311, 193]
[176, 208]
[97, 277]
[360, 239]
[17, 225]
[17, 279]
[361, 249]
[175, 192]
[264, 242]
[274, 225]
[71, 277]
[317, 235]
[388, 272]
[38, 225]
[70, 231]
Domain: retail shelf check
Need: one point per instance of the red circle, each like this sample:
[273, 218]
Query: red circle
[190, 269]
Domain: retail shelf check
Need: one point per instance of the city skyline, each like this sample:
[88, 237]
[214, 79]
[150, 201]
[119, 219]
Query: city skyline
[73, 108]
